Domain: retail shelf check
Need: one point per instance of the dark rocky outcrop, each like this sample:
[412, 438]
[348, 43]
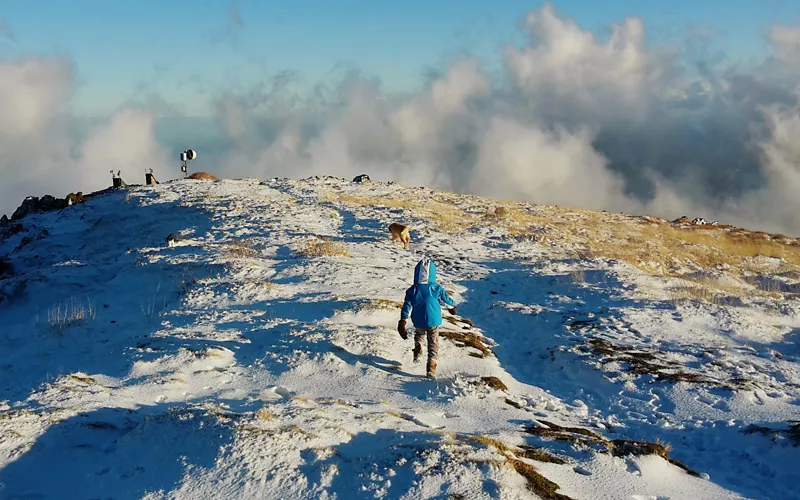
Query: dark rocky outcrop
[361, 178]
[6, 269]
[47, 203]
[8, 228]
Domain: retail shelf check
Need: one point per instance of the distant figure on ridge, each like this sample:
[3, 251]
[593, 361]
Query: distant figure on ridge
[422, 303]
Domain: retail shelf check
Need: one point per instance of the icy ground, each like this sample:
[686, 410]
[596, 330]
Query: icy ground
[229, 365]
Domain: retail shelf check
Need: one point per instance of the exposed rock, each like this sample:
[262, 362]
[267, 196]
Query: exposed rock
[49, 202]
[46, 203]
[29, 205]
[6, 269]
[361, 178]
[8, 230]
[26, 240]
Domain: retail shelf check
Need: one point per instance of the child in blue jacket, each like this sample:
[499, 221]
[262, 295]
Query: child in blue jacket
[422, 303]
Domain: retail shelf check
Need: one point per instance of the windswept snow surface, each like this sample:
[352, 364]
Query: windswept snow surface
[228, 365]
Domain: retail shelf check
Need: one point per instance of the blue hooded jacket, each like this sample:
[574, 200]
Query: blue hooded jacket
[422, 298]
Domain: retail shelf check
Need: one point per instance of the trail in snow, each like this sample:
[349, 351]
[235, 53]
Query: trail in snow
[229, 366]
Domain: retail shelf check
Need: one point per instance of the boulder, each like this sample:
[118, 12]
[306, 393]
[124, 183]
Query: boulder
[361, 178]
[29, 205]
[6, 269]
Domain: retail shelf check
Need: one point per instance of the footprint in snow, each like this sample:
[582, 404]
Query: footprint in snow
[633, 468]
[582, 470]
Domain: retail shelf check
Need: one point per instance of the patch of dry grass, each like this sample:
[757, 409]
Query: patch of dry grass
[792, 431]
[266, 415]
[617, 447]
[651, 244]
[539, 455]
[202, 176]
[513, 403]
[241, 249]
[324, 247]
[647, 363]
[536, 483]
[687, 292]
[379, 305]
[661, 248]
[379, 201]
[624, 447]
[463, 339]
[557, 432]
[494, 383]
[69, 314]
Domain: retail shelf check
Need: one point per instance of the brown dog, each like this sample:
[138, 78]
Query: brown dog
[400, 232]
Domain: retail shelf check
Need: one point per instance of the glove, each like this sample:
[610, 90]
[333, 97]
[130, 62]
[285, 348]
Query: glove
[401, 329]
[452, 310]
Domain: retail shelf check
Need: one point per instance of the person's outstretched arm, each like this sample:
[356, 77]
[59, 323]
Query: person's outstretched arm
[444, 297]
[405, 311]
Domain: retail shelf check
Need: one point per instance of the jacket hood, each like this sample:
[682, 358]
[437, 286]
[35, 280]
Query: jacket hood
[425, 272]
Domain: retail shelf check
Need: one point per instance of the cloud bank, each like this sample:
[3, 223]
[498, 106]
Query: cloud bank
[604, 123]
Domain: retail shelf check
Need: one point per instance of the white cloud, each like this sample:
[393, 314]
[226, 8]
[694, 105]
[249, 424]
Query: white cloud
[126, 143]
[31, 94]
[45, 150]
[565, 70]
[786, 42]
[527, 163]
[602, 123]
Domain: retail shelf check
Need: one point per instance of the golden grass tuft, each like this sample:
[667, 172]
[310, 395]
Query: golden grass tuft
[379, 305]
[539, 455]
[513, 403]
[686, 292]
[462, 339]
[266, 415]
[624, 447]
[242, 249]
[384, 201]
[561, 433]
[69, 314]
[536, 483]
[202, 176]
[647, 363]
[324, 247]
[494, 383]
[617, 447]
[792, 431]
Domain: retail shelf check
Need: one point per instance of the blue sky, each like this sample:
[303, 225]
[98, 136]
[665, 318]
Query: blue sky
[184, 49]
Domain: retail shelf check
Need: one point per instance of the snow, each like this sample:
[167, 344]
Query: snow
[225, 365]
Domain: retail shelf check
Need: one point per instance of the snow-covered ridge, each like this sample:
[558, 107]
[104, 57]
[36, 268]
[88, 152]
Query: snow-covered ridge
[255, 355]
